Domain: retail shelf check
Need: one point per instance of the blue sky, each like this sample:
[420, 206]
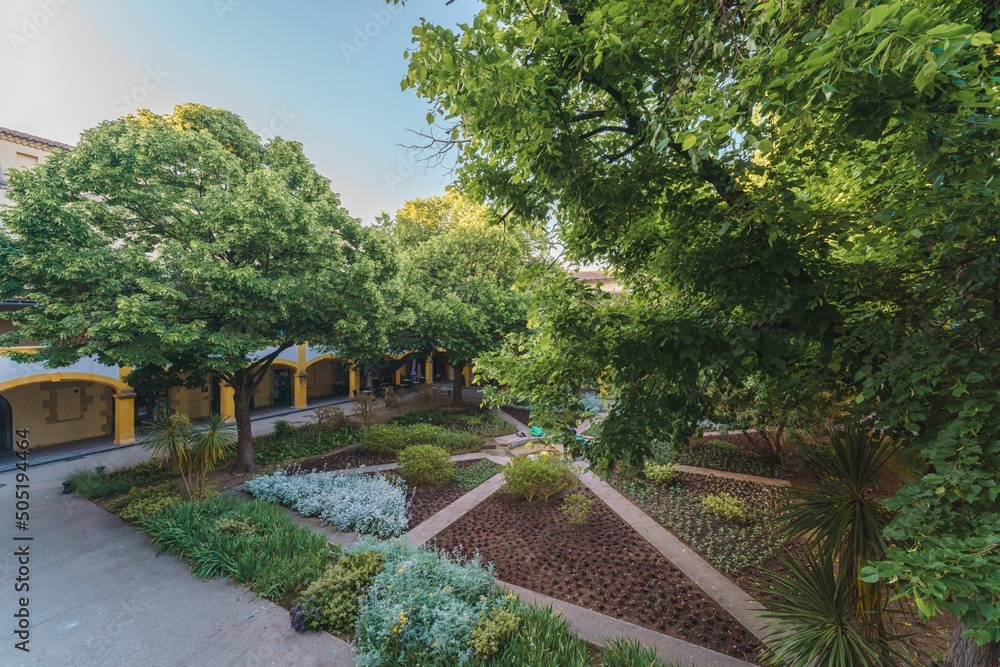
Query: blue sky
[305, 70]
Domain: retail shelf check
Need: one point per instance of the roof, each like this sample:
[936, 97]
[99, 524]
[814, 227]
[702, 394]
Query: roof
[32, 140]
[591, 277]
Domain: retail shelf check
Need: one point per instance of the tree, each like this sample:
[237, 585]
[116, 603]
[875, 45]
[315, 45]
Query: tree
[772, 182]
[181, 246]
[458, 280]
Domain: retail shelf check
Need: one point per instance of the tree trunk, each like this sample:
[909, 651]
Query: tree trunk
[244, 434]
[456, 394]
[963, 652]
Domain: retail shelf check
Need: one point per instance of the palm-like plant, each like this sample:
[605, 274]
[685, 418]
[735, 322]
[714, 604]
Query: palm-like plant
[824, 614]
[210, 444]
[169, 438]
[812, 620]
[841, 516]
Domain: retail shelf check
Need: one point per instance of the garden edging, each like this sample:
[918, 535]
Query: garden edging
[594, 628]
[716, 585]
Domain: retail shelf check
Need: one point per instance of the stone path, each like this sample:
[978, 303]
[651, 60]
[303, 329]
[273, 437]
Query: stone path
[730, 596]
[435, 524]
[710, 472]
[100, 596]
[596, 628]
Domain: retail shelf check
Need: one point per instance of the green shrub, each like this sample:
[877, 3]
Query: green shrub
[538, 477]
[391, 439]
[284, 429]
[94, 484]
[723, 445]
[268, 553]
[542, 639]
[425, 465]
[304, 442]
[661, 473]
[576, 507]
[460, 443]
[142, 502]
[492, 631]
[332, 603]
[726, 506]
[480, 422]
[628, 653]
[472, 476]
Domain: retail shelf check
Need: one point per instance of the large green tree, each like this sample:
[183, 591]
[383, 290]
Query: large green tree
[458, 280]
[773, 181]
[182, 246]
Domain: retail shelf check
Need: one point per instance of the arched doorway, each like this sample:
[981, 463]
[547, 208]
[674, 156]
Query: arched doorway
[6, 426]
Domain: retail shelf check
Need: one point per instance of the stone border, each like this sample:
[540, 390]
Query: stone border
[422, 533]
[594, 628]
[712, 472]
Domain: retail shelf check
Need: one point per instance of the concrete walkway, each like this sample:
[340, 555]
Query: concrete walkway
[729, 596]
[596, 628]
[423, 533]
[99, 596]
[756, 479]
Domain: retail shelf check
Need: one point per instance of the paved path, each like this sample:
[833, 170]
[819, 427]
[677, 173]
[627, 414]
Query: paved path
[730, 596]
[99, 596]
[595, 628]
[423, 533]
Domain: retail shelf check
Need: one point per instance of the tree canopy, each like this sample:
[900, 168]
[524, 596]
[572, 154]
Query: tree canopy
[772, 182]
[181, 246]
[458, 279]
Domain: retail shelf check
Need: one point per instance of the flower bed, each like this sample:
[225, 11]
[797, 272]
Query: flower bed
[481, 422]
[739, 548]
[352, 458]
[743, 455]
[426, 502]
[364, 504]
[522, 415]
[604, 566]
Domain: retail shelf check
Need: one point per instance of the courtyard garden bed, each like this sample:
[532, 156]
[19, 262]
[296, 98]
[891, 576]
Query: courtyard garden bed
[732, 452]
[480, 422]
[603, 565]
[429, 500]
[738, 546]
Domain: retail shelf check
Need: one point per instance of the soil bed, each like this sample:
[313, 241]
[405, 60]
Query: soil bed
[604, 566]
[352, 458]
[428, 501]
[520, 414]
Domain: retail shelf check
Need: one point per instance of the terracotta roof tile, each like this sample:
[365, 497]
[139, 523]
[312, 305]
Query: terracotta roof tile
[32, 140]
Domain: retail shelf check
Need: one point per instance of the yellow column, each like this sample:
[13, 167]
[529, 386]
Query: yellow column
[227, 401]
[398, 376]
[429, 370]
[301, 390]
[124, 417]
[467, 372]
[355, 381]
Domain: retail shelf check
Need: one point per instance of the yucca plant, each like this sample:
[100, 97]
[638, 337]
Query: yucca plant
[209, 445]
[841, 516]
[812, 620]
[169, 438]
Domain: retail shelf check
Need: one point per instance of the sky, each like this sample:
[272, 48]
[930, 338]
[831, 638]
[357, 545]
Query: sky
[323, 72]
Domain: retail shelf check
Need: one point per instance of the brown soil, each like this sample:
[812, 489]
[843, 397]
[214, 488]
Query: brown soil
[353, 458]
[520, 414]
[428, 501]
[604, 566]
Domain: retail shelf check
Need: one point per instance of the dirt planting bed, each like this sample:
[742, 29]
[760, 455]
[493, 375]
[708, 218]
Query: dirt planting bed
[520, 414]
[604, 566]
[428, 501]
[353, 458]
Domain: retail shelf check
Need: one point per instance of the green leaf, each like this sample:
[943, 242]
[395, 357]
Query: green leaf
[430, 118]
[878, 15]
[981, 39]
[689, 142]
